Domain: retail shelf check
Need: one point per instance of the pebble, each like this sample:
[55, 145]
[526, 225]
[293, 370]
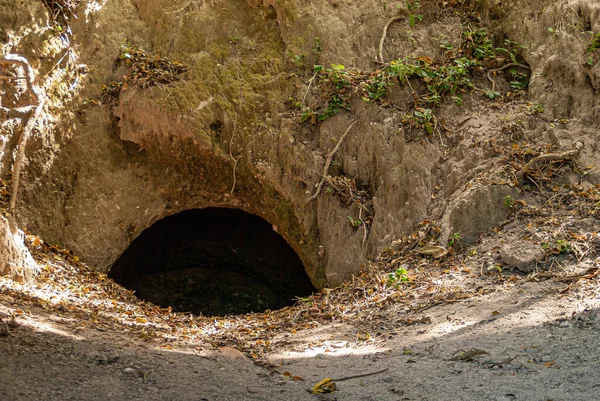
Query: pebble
[129, 371]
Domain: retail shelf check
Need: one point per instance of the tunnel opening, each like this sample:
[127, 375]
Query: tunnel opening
[213, 261]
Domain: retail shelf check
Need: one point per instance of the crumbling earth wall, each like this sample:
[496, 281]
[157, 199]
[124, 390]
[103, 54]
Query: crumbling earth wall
[224, 135]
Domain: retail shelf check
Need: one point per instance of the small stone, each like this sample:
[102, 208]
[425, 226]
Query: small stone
[13, 324]
[129, 371]
[522, 255]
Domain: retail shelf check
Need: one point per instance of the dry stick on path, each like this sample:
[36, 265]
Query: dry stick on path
[503, 68]
[569, 154]
[32, 89]
[384, 34]
[361, 375]
[329, 160]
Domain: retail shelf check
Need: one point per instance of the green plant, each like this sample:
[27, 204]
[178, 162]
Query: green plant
[562, 246]
[424, 118]
[478, 44]
[400, 275]
[438, 81]
[510, 49]
[509, 201]
[317, 49]
[413, 18]
[375, 87]
[297, 59]
[454, 239]
[497, 268]
[520, 81]
[446, 45]
[355, 222]
[492, 94]
[594, 43]
[337, 89]
[559, 247]
[538, 108]
[590, 61]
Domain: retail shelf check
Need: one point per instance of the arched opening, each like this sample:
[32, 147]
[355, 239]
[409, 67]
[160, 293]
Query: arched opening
[213, 261]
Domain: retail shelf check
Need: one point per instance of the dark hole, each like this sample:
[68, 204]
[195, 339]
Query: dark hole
[216, 126]
[213, 261]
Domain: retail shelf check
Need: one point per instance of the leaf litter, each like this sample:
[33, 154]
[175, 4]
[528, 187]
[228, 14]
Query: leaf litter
[394, 290]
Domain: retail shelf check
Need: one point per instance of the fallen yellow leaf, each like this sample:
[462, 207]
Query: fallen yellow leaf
[325, 386]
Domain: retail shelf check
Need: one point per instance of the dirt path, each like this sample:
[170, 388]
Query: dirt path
[540, 345]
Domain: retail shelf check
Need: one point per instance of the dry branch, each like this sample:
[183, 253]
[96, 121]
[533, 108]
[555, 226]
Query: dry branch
[329, 160]
[570, 154]
[384, 34]
[32, 89]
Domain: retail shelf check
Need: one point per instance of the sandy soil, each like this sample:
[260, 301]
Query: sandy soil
[540, 343]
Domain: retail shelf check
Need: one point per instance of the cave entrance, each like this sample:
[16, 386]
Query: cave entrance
[213, 261]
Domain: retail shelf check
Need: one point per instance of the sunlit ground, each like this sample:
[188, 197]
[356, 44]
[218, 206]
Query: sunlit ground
[359, 318]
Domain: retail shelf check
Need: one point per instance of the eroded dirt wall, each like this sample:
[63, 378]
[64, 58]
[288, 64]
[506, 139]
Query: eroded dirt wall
[224, 135]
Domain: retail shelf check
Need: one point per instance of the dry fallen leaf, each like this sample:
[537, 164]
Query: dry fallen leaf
[434, 251]
[325, 386]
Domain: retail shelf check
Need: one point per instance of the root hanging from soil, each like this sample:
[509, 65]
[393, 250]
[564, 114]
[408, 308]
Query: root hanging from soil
[33, 90]
[568, 155]
[329, 160]
[384, 34]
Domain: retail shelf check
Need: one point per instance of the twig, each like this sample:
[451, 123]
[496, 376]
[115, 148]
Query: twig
[412, 92]
[310, 81]
[384, 34]
[34, 92]
[590, 273]
[329, 160]
[58, 63]
[503, 68]
[363, 224]
[570, 154]
[363, 375]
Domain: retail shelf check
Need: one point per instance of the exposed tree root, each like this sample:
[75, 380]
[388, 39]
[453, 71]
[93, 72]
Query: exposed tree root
[329, 160]
[570, 154]
[384, 34]
[32, 89]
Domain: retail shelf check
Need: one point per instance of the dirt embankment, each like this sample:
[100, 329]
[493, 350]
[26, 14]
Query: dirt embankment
[488, 111]
[226, 132]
